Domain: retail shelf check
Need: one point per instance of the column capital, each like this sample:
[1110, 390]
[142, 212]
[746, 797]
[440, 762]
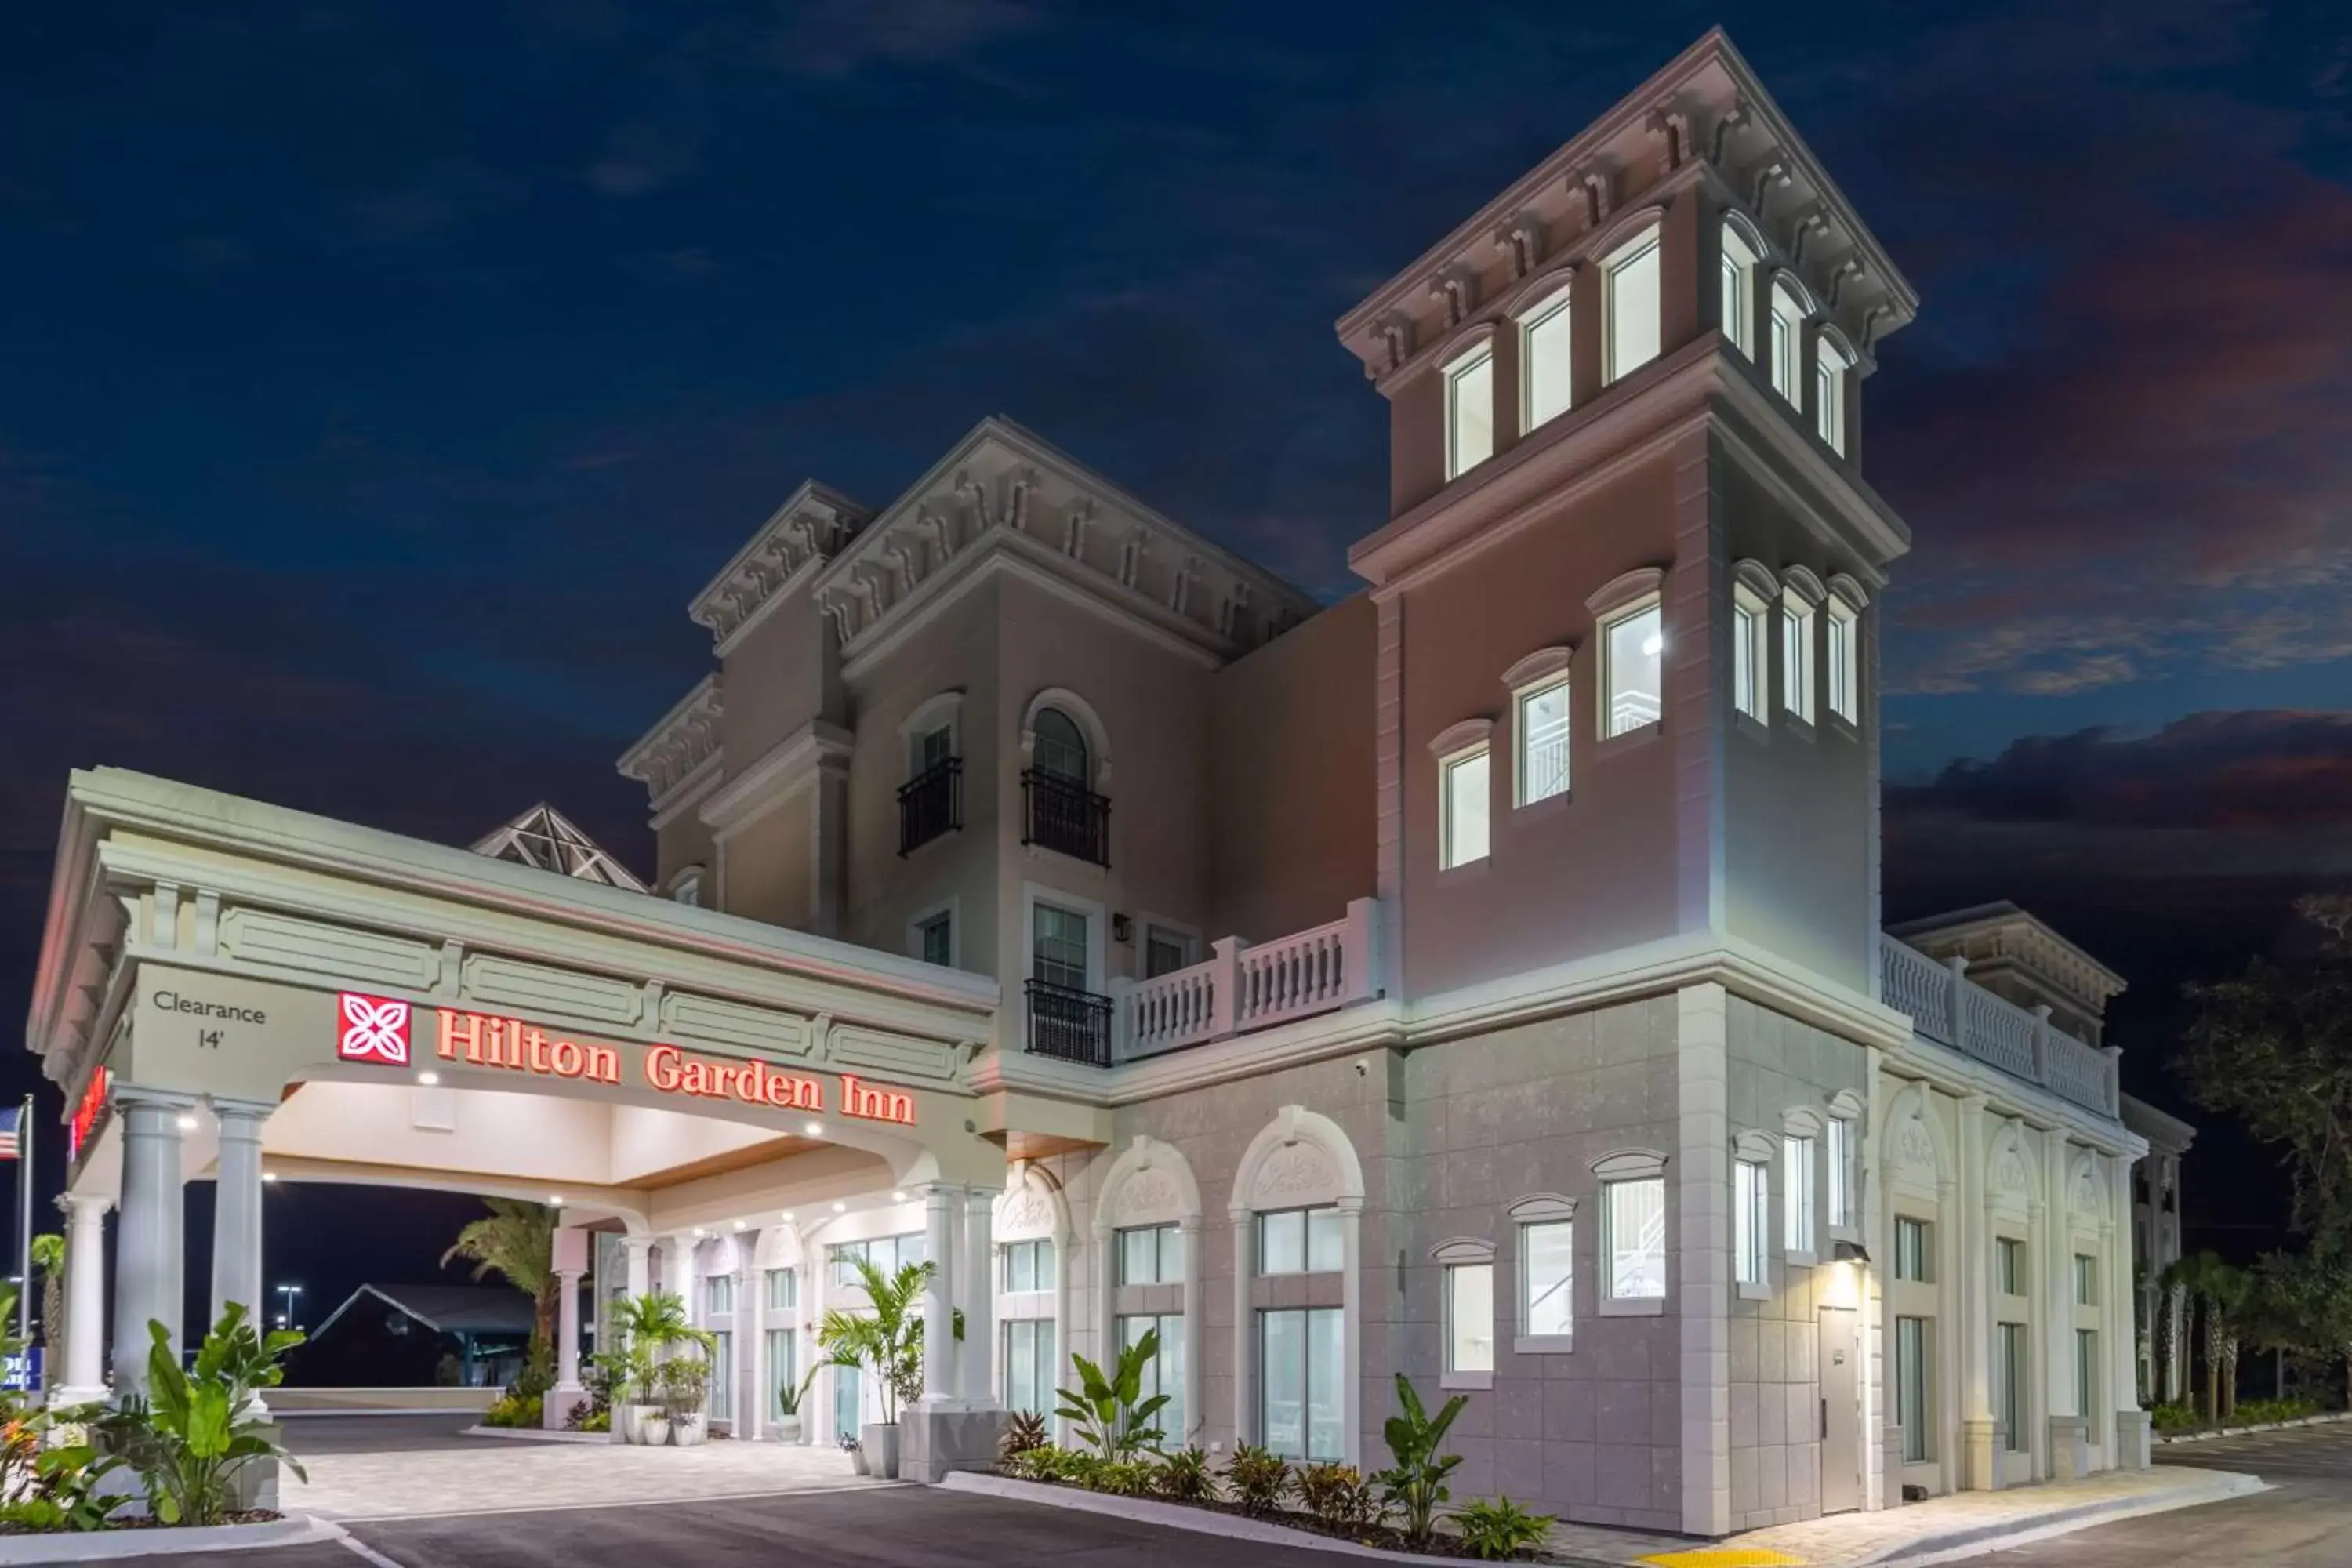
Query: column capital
[139, 1096]
[86, 1208]
[228, 1108]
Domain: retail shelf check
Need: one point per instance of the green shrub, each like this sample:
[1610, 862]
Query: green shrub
[1340, 1498]
[195, 1430]
[2175, 1417]
[1500, 1529]
[1185, 1477]
[1415, 1484]
[513, 1410]
[1109, 1410]
[1258, 1479]
[1121, 1477]
[596, 1421]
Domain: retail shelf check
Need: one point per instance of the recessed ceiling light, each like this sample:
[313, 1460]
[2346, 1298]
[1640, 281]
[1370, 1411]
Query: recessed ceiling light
[556, 1199]
[188, 1124]
[814, 1129]
[428, 1078]
[699, 1232]
[268, 1175]
[738, 1225]
[841, 1208]
[897, 1198]
[788, 1214]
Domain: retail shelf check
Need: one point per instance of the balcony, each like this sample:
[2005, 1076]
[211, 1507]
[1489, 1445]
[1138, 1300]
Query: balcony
[1068, 817]
[1068, 1024]
[931, 803]
[1240, 988]
[1948, 1008]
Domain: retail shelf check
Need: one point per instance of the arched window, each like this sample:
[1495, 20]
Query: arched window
[1632, 298]
[1060, 749]
[1742, 254]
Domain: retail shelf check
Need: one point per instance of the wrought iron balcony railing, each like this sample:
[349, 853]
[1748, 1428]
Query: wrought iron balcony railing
[1066, 816]
[931, 803]
[1069, 1025]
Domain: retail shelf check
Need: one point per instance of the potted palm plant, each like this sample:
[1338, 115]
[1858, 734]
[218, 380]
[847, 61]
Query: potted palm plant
[685, 1387]
[653, 1332]
[887, 1340]
[790, 1396]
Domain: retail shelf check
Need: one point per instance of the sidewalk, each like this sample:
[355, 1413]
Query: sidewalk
[1940, 1530]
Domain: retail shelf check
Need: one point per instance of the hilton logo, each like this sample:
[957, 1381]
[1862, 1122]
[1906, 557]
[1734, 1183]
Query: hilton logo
[372, 1029]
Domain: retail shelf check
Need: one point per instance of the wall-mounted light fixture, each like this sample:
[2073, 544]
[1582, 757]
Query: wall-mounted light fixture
[1121, 929]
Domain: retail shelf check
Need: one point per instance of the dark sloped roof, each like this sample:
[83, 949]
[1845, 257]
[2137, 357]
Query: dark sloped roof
[448, 1308]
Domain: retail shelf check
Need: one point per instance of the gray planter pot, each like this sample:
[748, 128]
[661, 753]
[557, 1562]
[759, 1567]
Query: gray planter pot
[879, 1443]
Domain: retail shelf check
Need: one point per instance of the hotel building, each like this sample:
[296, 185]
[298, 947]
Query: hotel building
[1480, 978]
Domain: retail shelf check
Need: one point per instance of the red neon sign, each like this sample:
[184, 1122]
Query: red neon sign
[372, 1029]
[91, 1106]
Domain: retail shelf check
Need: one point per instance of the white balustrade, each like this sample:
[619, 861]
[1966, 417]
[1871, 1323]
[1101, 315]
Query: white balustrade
[1240, 988]
[1947, 1008]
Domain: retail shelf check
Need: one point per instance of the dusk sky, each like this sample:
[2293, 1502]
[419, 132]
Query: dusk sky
[381, 382]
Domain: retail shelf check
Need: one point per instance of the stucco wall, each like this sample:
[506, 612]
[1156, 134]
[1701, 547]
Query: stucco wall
[782, 674]
[1291, 784]
[764, 865]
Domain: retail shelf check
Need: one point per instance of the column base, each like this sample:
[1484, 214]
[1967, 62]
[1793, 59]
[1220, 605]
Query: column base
[67, 1398]
[934, 1441]
[1981, 1451]
[2070, 1447]
[2134, 1430]
[557, 1406]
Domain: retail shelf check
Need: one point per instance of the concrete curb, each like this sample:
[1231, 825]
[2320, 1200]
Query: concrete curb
[2325, 1418]
[2219, 1485]
[535, 1434]
[110, 1545]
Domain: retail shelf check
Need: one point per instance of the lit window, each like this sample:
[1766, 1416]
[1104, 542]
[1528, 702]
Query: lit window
[1299, 1241]
[1797, 654]
[1749, 1220]
[1466, 808]
[1302, 1371]
[1632, 652]
[1739, 262]
[1543, 741]
[2008, 1266]
[1547, 1277]
[1543, 351]
[1470, 1317]
[1844, 630]
[1832, 366]
[1151, 1254]
[1634, 1219]
[1841, 1152]
[1632, 299]
[1469, 413]
[1788, 335]
[1797, 1187]
[1912, 1254]
[1029, 1264]
[1751, 655]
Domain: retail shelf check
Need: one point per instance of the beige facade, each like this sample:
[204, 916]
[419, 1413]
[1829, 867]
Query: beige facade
[1480, 978]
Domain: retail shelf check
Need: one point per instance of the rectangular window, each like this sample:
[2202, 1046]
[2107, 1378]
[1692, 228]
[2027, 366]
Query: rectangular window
[1911, 1385]
[846, 1401]
[1633, 1221]
[1751, 1222]
[1797, 1187]
[1300, 1371]
[1151, 1254]
[889, 1253]
[1029, 1264]
[1633, 650]
[1751, 657]
[1547, 1279]
[1543, 345]
[930, 749]
[1165, 951]
[1738, 271]
[1844, 630]
[783, 1371]
[783, 1288]
[1299, 1241]
[2087, 1373]
[2086, 1280]
[1841, 1154]
[935, 938]
[1632, 299]
[1832, 371]
[1164, 1372]
[1029, 1365]
[1058, 947]
[718, 1297]
[1912, 1253]
[2009, 1385]
[1797, 654]
[2008, 1266]
[1469, 413]
[719, 1402]
[1470, 1317]
[1788, 335]
[1466, 806]
[1543, 742]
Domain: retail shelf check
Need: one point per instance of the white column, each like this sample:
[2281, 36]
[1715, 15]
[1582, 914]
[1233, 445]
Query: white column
[1196, 1332]
[237, 1209]
[2121, 1404]
[147, 1261]
[83, 1377]
[2036, 1415]
[939, 1310]
[640, 1264]
[1351, 1329]
[751, 1375]
[978, 1288]
[677, 1273]
[2057, 1300]
[1951, 1320]
[567, 1332]
[1981, 1446]
[1245, 1325]
[1701, 1255]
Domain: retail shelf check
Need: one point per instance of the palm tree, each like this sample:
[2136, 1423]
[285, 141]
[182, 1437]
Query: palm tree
[887, 1341]
[2224, 1292]
[516, 1240]
[50, 1258]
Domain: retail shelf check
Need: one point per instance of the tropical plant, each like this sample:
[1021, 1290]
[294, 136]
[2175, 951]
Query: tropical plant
[1122, 1478]
[50, 1258]
[1414, 1482]
[516, 1241]
[887, 1340]
[648, 1328]
[1185, 1477]
[684, 1383]
[1024, 1431]
[526, 1411]
[2221, 1293]
[195, 1430]
[1499, 1528]
[791, 1395]
[63, 1495]
[1340, 1498]
[1112, 1415]
[1257, 1476]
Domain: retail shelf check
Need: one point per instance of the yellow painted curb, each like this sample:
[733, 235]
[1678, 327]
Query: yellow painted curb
[1725, 1557]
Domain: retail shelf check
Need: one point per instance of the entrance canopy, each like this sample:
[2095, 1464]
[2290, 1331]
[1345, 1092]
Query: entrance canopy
[403, 1012]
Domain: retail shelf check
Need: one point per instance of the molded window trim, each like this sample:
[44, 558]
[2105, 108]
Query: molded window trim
[1547, 357]
[1834, 365]
[1544, 1212]
[942, 711]
[1622, 711]
[944, 910]
[1540, 764]
[1789, 311]
[1798, 657]
[1469, 409]
[1466, 1290]
[1742, 254]
[1464, 762]
[1626, 1169]
[1633, 276]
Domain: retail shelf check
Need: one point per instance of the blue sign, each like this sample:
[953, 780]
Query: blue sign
[21, 1371]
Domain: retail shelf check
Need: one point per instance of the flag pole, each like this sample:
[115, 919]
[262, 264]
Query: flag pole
[24, 1222]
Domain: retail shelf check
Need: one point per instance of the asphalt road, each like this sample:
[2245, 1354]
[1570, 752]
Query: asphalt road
[377, 1434]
